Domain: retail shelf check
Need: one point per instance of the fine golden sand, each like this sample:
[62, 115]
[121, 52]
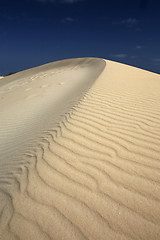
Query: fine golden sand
[80, 152]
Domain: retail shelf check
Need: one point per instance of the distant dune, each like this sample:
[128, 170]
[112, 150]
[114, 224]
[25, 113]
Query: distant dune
[80, 152]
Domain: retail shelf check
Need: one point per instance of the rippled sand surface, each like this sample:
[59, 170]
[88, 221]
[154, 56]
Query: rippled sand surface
[80, 152]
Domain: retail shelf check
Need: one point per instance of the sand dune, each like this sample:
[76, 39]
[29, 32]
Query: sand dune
[80, 152]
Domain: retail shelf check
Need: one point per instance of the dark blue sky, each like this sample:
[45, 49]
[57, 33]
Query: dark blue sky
[35, 32]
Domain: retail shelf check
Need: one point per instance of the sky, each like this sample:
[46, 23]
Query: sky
[36, 32]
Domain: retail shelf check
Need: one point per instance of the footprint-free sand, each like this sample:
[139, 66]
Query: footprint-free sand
[80, 152]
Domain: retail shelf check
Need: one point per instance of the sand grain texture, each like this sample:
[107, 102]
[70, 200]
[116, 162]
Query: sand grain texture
[80, 152]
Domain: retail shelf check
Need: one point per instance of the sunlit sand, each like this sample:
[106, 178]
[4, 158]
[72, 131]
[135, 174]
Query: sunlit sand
[80, 152]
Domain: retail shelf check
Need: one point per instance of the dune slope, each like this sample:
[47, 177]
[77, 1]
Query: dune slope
[80, 152]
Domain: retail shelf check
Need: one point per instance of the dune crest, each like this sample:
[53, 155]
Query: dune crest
[80, 152]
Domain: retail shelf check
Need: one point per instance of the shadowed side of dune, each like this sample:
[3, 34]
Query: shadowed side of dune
[37, 99]
[94, 174]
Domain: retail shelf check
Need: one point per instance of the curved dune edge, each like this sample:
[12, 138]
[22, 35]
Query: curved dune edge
[93, 172]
